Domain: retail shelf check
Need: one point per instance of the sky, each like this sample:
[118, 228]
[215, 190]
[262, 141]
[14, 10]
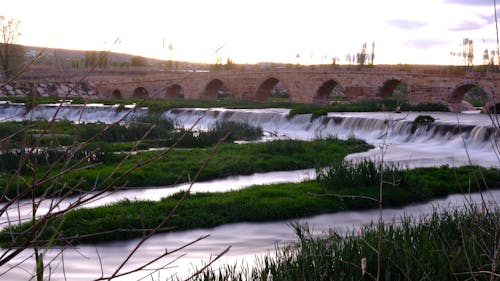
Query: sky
[252, 31]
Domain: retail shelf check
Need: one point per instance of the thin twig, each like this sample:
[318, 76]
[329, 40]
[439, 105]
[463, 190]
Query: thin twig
[173, 211]
[166, 253]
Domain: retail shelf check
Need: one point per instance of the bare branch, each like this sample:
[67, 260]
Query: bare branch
[173, 211]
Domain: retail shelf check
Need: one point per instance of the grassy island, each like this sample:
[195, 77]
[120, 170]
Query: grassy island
[264, 203]
[179, 164]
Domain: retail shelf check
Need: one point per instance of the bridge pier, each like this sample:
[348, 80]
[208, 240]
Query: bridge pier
[358, 93]
[427, 94]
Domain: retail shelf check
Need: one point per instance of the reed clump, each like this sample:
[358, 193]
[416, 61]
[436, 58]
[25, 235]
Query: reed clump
[454, 244]
[365, 172]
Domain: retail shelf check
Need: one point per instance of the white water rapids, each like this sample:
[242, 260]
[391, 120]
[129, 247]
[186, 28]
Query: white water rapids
[453, 139]
[443, 142]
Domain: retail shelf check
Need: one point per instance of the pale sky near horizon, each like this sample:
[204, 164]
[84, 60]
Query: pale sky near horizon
[420, 32]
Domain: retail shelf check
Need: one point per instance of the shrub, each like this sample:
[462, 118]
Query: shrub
[421, 120]
[319, 113]
[357, 174]
[303, 109]
[429, 107]
[238, 130]
[120, 108]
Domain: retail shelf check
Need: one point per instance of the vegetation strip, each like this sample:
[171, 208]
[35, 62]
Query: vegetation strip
[454, 245]
[121, 137]
[161, 105]
[179, 165]
[261, 203]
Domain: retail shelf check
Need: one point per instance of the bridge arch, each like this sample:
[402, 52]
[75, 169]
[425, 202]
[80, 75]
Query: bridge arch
[116, 94]
[216, 89]
[174, 91]
[265, 88]
[327, 90]
[466, 89]
[140, 92]
[393, 88]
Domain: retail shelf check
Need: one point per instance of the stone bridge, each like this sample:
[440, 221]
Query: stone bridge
[305, 85]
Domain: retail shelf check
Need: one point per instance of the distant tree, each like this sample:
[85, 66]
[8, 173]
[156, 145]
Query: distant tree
[90, 58]
[17, 58]
[361, 57]
[11, 55]
[121, 64]
[103, 60]
[372, 57]
[138, 61]
[468, 51]
[170, 51]
[75, 63]
[486, 57]
[94, 58]
[220, 66]
[229, 64]
[170, 63]
[217, 65]
[348, 58]
[335, 61]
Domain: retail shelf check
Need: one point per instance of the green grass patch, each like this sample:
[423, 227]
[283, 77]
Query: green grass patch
[268, 203]
[419, 183]
[363, 106]
[61, 138]
[181, 164]
[162, 105]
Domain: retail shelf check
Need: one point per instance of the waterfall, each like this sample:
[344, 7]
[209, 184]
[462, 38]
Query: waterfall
[365, 126]
[453, 139]
[77, 113]
[11, 112]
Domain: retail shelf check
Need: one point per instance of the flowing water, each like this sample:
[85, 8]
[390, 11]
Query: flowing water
[454, 139]
[246, 240]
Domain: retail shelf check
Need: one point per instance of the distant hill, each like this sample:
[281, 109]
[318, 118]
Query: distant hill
[76, 58]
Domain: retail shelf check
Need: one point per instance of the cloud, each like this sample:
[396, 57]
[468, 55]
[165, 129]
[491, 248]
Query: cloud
[467, 26]
[471, 2]
[489, 19]
[406, 24]
[425, 44]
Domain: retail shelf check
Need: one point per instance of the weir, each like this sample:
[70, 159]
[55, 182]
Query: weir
[75, 113]
[457, 131]
[453, 139]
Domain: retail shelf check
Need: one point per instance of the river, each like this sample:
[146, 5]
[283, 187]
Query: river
[454, 139]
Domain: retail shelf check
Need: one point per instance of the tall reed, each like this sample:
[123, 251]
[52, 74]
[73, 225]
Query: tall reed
[456, 244]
